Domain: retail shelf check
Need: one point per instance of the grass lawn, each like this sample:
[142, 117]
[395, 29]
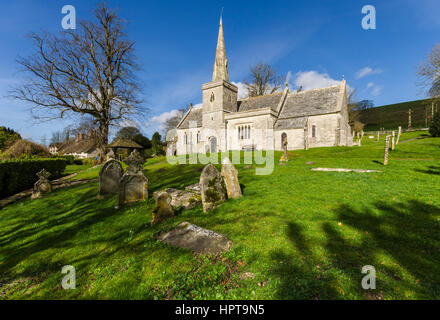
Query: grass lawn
[303, 234]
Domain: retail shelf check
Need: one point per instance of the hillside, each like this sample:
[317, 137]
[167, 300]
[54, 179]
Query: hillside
[394, 115]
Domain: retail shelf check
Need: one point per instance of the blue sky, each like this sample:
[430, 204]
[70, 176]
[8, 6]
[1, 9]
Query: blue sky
[313, 42]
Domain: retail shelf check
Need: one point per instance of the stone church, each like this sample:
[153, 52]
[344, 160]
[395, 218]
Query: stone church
[302, 119]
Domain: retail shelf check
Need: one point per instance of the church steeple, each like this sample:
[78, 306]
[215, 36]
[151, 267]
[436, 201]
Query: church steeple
[221, 63]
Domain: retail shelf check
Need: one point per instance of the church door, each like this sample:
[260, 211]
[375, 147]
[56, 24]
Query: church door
[213, 144]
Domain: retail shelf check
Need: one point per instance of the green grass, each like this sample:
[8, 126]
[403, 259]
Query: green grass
[392, 116]
[304, 234]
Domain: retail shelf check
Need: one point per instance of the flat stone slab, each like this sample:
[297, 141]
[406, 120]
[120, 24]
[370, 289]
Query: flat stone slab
[200, 240]
[343, 170]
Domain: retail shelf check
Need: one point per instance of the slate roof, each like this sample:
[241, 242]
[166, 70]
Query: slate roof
[254, 103]
[195, 114]
[291, 123]
[311, 102]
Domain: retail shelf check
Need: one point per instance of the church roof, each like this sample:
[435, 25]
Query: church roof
[254, 103]
[194, 114]
[291, 123]
[312, 102]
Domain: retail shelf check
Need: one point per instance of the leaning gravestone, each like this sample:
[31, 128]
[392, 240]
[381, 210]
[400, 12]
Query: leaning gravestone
[230, 176]
[163, 209]
[197, 239]
[133, 185]
[109, 177]
[42, 185]
[387, 147]
[212, 188]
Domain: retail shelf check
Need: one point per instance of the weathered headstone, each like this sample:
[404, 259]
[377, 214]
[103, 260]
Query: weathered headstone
[230, 177]
[186, 199]
[109, 177]
[133, 185]
[284, 157]
[110, 155]
[387, 147]
[212, 188]
[392, 142]
[197, 239]
[42, 185]
[398, 134]
[163, 209]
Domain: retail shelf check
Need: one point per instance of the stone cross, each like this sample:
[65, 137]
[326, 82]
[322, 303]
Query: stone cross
[398, 134]
[42, 185]
[392, 142]
[134, 162]
[387, 147]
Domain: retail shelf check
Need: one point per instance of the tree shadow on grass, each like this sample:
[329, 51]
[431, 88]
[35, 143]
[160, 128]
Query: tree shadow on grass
[405, 235]
[430, 170]
[53, 230]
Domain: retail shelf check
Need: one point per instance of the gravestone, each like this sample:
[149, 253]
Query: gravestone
[387, 147]
[163, 209]
[197, 239]
[230, 177]
[392, 142]
[186, 199]
[43, 185]
[109, 177]
[110, 155]
[212, 188]
[284, 157]
[133, 185]
[398, 134]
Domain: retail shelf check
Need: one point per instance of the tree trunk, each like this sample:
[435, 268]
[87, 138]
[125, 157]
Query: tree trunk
[102, 140]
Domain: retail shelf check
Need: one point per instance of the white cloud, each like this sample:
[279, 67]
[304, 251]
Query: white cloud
[242, 91]
[313, 80]
[370, 84]
[377, 90]
[158, 123]
[366, 72]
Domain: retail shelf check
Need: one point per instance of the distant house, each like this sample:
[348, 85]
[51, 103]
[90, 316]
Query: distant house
[83, 146]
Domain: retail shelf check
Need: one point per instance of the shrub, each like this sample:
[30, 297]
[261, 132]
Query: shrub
[434, 128]
[26, 148]
[19, 174]
[7, 137]
[69, 159]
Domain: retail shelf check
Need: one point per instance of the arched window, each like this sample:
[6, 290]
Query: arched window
[198, 137]
[313, 131]
[212, 97]
[185, 139]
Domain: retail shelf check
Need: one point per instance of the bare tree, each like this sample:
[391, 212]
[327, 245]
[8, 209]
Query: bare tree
[172, 122]
[88, 71]
[263, 79]
[354, 111]
[429, 73]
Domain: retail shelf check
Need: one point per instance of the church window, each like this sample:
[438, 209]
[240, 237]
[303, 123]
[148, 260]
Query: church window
[198, 137]
[313, 131]
[212, 97]
[185, 139]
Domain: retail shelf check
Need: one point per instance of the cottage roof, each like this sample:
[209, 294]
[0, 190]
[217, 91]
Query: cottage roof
[125, 143]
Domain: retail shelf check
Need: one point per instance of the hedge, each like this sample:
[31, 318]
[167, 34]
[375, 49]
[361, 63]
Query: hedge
[19, 174]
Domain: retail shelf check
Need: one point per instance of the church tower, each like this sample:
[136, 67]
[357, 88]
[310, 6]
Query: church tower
[219, 95]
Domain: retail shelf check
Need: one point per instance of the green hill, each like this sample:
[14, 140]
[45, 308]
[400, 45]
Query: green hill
[394, 115]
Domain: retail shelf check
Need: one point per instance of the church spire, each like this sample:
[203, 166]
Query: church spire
[221, 63]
